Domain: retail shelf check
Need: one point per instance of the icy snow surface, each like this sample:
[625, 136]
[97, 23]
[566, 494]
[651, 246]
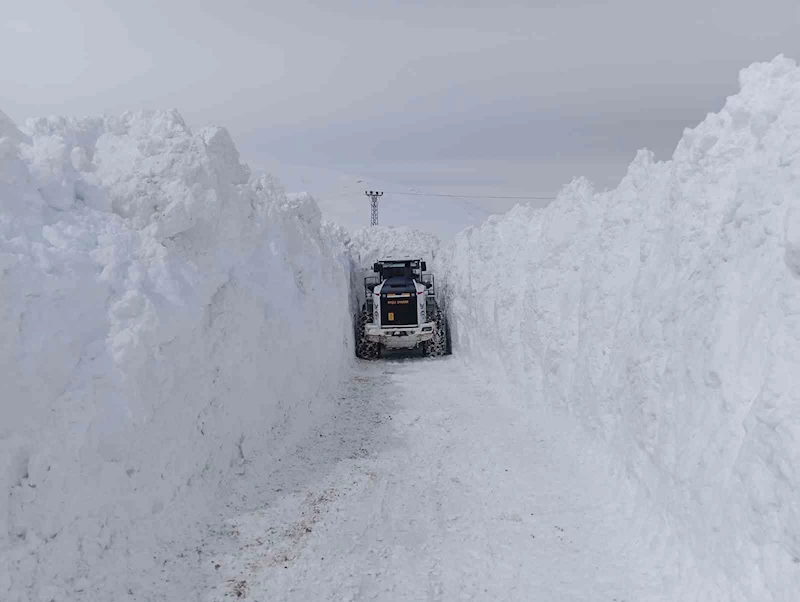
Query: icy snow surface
[665, 316]
[162, 316]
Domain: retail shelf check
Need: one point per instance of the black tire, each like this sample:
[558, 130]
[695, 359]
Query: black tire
[437, 346]
[366, 350]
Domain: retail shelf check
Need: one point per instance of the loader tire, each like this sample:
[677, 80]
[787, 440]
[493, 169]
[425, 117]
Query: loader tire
[366, 350]
[437, 346]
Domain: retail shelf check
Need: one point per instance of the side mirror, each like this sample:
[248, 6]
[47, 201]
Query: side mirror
[424, 266]
[428, 284]
[376, 267]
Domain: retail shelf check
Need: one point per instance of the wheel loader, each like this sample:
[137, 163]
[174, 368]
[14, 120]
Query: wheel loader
[400, 311]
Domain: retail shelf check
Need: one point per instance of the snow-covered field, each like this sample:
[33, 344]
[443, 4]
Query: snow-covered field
[174, 335]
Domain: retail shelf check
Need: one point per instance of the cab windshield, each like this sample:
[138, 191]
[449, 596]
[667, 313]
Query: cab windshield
[397, 269]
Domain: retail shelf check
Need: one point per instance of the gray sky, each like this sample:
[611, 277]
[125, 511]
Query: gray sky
[520, 96]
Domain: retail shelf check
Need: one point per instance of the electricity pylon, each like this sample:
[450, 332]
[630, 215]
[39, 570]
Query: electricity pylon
[374, 195]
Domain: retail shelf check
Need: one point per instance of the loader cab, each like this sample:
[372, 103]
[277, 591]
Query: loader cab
[407, 268]
[398, 273]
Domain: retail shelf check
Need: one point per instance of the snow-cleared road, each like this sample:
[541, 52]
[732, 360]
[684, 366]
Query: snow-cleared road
[430, 485]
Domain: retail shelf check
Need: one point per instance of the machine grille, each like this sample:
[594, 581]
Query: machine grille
[398, 309]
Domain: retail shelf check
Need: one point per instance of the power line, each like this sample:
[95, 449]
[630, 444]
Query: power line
[473, 196]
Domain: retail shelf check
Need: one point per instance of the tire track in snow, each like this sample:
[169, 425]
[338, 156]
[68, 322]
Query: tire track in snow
[285, 503]
[428, 484]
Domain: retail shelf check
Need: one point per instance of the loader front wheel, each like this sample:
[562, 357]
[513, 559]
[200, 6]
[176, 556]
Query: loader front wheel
[437, 346]
[366, 350]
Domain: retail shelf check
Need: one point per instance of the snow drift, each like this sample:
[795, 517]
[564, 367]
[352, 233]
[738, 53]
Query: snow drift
[665, 315]
[163, 318]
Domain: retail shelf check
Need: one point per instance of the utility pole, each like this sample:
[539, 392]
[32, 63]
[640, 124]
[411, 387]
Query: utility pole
[373, 195]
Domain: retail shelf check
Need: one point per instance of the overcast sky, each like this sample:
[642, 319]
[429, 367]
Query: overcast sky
[531, 93]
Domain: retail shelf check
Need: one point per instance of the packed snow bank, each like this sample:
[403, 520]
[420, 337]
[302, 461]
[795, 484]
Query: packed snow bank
[666, 315]
[163, 316]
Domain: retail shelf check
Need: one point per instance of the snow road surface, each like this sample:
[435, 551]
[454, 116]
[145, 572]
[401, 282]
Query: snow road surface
[431, 485]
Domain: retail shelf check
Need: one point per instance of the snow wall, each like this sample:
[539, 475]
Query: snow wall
[164, 318]
[665, 316]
